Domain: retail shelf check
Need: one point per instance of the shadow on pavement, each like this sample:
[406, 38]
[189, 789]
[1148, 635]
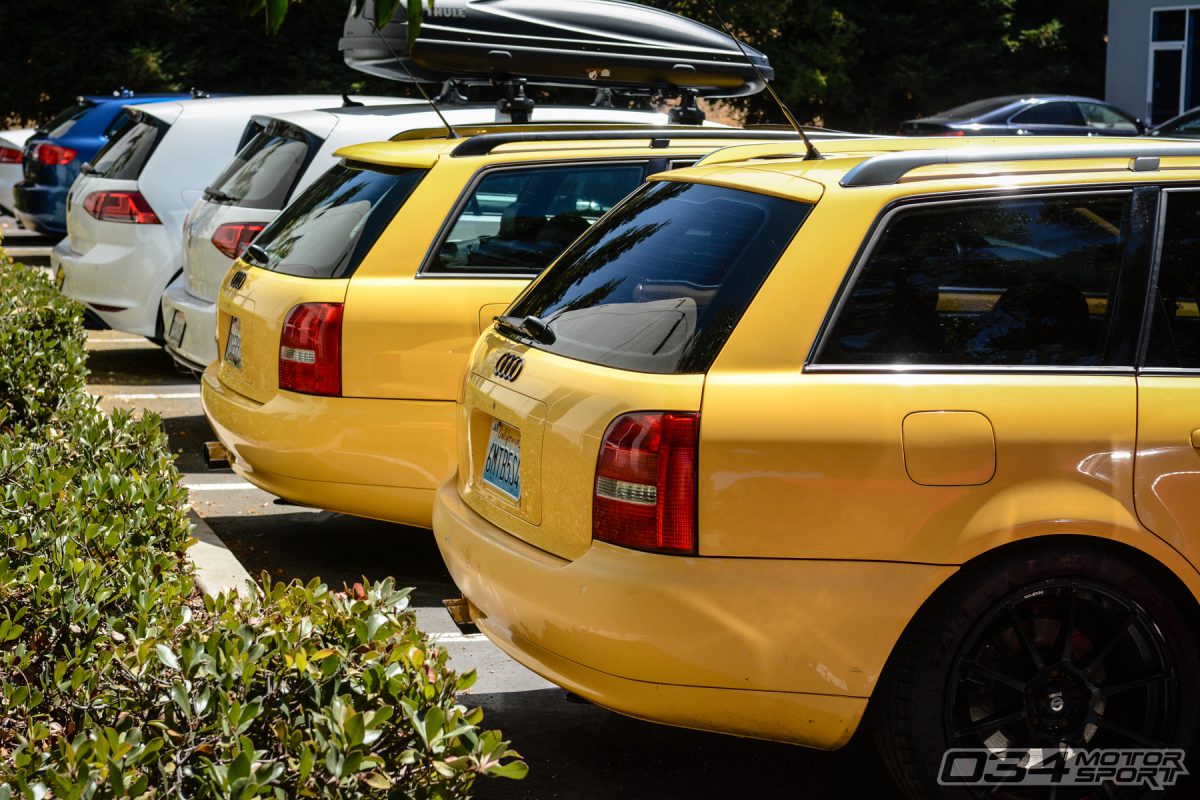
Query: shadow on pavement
[337, 549]
[135, 366]
[187, 436]
[580, 751]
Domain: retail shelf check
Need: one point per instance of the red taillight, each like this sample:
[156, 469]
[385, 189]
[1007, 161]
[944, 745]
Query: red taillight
[120, 207]
[53, 155]
[233, 238]
[645, 494]
[310, 350]
[10, 155]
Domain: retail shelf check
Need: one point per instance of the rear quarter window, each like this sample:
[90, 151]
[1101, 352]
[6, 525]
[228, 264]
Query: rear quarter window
[331, 226]
[658, 285]
[1013, 282]
[129, 148]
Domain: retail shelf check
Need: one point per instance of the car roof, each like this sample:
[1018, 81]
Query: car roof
[938, 163]
[245, 104]
[418, 114]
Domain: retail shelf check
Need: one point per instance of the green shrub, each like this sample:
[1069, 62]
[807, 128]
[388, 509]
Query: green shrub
[118, 680]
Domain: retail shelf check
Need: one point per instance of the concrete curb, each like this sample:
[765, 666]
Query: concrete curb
[217, 569]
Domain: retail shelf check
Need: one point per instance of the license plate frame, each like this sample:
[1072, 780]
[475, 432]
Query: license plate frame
[233, 344]
[177, 330]
[502, 461]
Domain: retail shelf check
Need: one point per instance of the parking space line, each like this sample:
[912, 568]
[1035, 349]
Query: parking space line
[130, 340]
[164, 396]
[457, 638]
[218, 487]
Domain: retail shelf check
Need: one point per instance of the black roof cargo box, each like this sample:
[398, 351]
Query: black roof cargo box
[599, 43]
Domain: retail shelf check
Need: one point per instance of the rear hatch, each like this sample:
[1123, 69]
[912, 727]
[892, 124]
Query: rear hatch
[628, 321]
[116, 171]
[306, 255]
[248, 194]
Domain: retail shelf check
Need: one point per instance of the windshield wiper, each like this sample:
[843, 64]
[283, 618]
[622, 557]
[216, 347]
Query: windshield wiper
[219, 196]
[530, 327]
[88, 169]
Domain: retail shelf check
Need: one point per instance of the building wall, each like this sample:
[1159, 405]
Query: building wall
[1127, 75]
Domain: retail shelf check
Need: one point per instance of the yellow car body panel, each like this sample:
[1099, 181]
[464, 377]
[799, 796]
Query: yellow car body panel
[831, 503]
[383, 447]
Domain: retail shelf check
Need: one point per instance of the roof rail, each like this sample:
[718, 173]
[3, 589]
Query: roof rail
[889, 168]
[485, 143]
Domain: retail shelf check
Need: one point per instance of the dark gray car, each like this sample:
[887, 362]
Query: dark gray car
[1028, 115]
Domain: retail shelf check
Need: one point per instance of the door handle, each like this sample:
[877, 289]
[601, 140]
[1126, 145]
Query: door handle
[1196, 438]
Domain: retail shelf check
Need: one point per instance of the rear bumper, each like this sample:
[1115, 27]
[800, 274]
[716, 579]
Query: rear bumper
[371, 458]
[198, 348]
[776, 649]
[130, 276]
[41, 208]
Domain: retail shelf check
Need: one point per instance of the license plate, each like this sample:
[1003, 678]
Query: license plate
[502, 469]
[233, 343]
[178, 326]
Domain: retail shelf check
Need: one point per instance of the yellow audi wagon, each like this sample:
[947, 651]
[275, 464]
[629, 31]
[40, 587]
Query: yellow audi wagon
[344, 330]
[909, 433]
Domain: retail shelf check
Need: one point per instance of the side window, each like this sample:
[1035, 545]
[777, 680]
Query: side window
[1017, 282]
[1105, 118]
[1050, 114]
[517, 221]
[1175, 331]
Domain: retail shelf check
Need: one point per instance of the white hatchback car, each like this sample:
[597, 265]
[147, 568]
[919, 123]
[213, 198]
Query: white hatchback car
[283, 155]
[12, 145]
[125, 213]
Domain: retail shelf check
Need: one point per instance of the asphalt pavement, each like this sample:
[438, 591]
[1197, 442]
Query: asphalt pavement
[575, 750]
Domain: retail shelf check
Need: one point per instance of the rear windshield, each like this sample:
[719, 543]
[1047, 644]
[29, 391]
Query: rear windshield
[977, 108]
[129, 148]
[332, 225]
[66, 119]
[658, 285]
[265, 171]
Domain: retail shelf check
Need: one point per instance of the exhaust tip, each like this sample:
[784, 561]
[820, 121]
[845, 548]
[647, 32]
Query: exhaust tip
[463, 614]
[216, 456]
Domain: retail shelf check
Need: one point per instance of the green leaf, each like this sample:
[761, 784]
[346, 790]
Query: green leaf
[276, 11]
[385, 9]
[415, 17]
[513, 770]
[167, 657]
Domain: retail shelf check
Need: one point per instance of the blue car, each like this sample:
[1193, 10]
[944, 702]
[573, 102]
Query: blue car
[1028, 115]
[54, 155]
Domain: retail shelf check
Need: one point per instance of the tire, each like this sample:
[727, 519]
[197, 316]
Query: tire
[970, 659]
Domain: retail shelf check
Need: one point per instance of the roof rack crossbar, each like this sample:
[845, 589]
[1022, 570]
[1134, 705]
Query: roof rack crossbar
[485, 143]
[889, 168]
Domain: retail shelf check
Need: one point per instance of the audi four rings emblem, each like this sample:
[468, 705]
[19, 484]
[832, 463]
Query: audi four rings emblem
[509, 367]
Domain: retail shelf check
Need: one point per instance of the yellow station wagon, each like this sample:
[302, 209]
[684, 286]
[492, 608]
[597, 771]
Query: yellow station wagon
[345, 329]
[910, 430]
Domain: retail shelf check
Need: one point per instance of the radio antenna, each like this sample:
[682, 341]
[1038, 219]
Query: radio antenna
[812, 154]
[450, 132]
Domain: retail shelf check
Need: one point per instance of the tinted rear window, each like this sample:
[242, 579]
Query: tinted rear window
[129, 148]
[264, 172]
[330, 227]
[658, 285]
[977, 108]
[65, 120]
